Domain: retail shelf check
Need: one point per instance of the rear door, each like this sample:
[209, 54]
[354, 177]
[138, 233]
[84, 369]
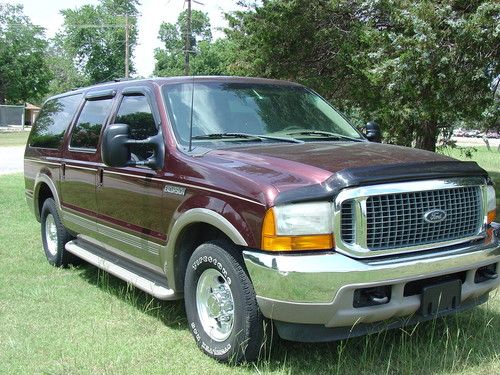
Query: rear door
[81, 162]
[129, 199]
[45, 143]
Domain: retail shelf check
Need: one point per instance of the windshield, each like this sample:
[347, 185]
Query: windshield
[228, 108]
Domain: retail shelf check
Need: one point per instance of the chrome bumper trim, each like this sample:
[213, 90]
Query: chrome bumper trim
[318, 289]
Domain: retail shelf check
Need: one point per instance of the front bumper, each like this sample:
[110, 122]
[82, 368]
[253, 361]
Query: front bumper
[318, 289]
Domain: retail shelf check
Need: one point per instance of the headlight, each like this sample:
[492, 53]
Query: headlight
[302, 226]
[303, 218]
[491, 203]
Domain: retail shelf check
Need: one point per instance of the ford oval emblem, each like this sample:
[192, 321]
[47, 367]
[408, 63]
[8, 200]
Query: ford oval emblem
[435, 216]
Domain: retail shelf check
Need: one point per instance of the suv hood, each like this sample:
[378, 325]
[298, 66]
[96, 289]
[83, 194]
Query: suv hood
[286, 167]
[335, 156]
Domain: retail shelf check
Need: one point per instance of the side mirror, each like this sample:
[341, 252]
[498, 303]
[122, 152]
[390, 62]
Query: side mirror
[115, 148]
[373, 132]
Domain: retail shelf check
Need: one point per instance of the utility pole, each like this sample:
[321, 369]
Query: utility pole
[126, 25]
[126, 47]
[187, 44]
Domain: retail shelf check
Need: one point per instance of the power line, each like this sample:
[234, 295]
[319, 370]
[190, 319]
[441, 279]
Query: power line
[97, 26]
[125, 25]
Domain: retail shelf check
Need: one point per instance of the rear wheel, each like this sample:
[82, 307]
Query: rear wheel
[221, 307]
[55, 236]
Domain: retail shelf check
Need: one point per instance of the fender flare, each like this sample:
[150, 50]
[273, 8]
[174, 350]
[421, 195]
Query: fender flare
[192, 216]
[44, 178]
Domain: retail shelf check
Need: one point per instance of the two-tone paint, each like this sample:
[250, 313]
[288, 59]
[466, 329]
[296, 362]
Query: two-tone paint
[140, 213]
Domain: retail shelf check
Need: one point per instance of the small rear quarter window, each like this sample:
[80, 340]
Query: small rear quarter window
[54, 119]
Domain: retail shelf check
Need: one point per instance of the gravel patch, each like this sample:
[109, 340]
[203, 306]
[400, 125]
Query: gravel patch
[11, 159]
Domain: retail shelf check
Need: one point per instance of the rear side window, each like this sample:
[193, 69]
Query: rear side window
[54, 119]
[136, 113]
[88, 127]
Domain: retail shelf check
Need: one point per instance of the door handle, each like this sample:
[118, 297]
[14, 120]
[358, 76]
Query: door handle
[100, 176]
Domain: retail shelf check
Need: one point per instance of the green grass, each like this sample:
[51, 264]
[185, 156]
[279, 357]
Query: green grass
[488, 160]
[17, 138]
[84, 321]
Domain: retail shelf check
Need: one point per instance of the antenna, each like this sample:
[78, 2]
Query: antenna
[191, 120]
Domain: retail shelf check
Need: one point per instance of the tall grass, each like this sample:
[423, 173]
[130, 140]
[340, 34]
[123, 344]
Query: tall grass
[85, 321]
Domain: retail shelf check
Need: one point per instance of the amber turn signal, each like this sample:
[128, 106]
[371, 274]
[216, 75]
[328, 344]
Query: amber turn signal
[273, 242]
[491, 216]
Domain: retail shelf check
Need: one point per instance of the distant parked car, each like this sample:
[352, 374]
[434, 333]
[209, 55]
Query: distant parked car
[472, 133]
[493, 134]
[459, 133]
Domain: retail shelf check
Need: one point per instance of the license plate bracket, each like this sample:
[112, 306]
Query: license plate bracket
[442, 297]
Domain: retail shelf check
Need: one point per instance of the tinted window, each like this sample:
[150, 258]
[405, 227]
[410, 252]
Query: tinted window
[136, 113]
[88, 128]
[54, 118]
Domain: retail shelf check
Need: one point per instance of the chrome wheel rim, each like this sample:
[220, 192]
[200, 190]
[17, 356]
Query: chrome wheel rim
[215, 304]
[51, 234]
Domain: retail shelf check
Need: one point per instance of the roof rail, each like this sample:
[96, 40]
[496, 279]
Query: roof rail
[121, 79]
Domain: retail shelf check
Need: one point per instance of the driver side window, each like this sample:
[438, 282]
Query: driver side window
[135, 111]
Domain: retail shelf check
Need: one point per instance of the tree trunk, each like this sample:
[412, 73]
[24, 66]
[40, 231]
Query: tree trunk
[2, 98]
[427, 137]
[485, 140]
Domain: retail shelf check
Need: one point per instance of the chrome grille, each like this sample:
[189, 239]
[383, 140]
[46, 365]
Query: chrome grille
[347, 230]
[397, 220]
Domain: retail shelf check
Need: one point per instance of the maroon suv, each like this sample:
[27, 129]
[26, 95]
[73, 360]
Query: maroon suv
[255, 200]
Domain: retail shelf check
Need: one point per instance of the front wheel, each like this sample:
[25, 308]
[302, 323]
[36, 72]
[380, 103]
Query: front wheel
[221, 307]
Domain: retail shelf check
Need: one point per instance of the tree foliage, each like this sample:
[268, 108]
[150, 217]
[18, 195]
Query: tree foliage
[207, 57]
[65, 74]
[24, 74]
[416, 67]
[95, 37]
[432, 64]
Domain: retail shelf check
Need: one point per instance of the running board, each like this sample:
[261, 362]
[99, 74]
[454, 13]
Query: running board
[122, 268]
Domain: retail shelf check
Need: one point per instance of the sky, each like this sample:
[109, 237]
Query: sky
[152, 13]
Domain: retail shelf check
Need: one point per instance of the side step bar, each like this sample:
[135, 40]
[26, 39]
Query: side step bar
[145, 280]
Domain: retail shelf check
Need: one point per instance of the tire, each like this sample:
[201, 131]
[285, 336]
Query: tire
[55, 236]
[221, 307]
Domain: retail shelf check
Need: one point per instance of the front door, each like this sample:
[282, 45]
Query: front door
[129, 200]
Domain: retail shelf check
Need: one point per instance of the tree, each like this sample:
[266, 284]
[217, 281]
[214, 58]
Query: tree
[432, 64]
[95, 37]
[65, 75]
[207, 57]
[310, 41]
[416, 67]
[24, 73]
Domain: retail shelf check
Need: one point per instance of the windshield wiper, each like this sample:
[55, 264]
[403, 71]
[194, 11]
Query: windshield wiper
[324, 134]
[246, 136]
